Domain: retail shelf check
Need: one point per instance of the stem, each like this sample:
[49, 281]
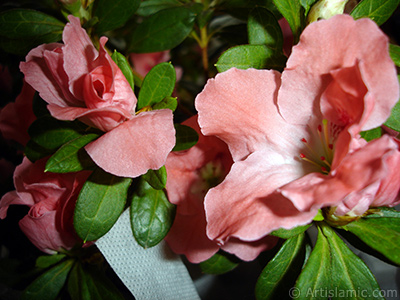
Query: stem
[204, 47]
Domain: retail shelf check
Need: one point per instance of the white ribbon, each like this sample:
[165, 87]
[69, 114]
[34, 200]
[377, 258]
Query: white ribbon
[150, 274]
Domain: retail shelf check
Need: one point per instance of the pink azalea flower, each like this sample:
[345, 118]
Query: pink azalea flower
[79, 82]
[51, 198]
[16, 117]
[190, 175]
[294, 137]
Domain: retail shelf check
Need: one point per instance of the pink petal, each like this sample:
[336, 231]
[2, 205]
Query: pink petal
[238, 106]
[328, 45]
[144, 62]
[79, 54]
[135, 146]
[246, 205]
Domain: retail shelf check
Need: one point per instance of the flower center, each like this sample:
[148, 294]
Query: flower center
[210, 176]
[320, 153]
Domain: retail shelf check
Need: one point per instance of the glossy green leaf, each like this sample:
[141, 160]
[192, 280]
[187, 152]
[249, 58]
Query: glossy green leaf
[288, 233]
[219, 263]
[125, 67]
[151, 215]
[150, 7]
[382, 212]
[72, 157]
[168, 102]
[86, 282]
[46, 261]
[23, 29]
[156, 178]
[292, 11]
[281, 272]
[264, 29]
[113, 14]
[51, 133]
[393, 122]
[49, 284]
[381, 234]
[379, 11]
[158, 84]
[99, 205]
[34, 152]
[250, 56]
[334, 270]
[394, 52]
[164, 30]
[371, 134]
[186, 137]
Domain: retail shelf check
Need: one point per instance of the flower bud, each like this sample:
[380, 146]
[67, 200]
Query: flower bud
[324, 9]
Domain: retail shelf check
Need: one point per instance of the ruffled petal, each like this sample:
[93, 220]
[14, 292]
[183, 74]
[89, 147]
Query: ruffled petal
[328, 45]
[135, 146]
[246, 205]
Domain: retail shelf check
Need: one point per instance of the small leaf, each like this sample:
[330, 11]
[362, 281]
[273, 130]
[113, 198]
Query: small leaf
[158, 84]
[71, 157]
[394, 52]
[85, 282]
[163, 30]
[168, 102]
[186, 137]
[250, 56]
[264, 29]
[151, 215]
[46, 261]
[99, 205]
[288, 233]
[49, 284]
[156, 178]
[378, 11]
[125, 67]
[114, 14]
[371, 134]
[291, 10]
[219, 263]
[281, 272]
[381, 234]
[51, 133]
[150, 7]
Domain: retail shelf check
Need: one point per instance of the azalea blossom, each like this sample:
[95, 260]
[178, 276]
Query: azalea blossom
[79, 82]
[295, 137]
[191, 173]
[51, 198]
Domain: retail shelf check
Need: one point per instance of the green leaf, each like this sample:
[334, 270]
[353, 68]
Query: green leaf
[335, 271]
[383, 212]
[49, 284]
[163, 30]
[394, 119]
[291, 10]
[51, 133]
[168, 102]
[288, 233]
[34, 152]
[219, 263]
[150, 7]
[250, 56]
[264, 29]
[381, 234]
[85, 282]
[394, 52]
[99, 205]
[156, 178]
[371, 134]
[186, 137]
[281, 272]
[46, 261]
[158, 84]
[72, 157]
[125, 67]
[307, 5]
[114, 14]
[151, 214]
[378, 11]
[23, 29]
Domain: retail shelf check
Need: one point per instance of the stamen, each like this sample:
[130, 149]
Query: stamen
[325, 161]
[303, 157]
